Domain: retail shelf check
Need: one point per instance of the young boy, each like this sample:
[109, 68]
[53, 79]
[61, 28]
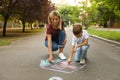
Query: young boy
[79, 44]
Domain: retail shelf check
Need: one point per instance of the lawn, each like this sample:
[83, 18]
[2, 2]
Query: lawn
[15, 34]
[112, 35]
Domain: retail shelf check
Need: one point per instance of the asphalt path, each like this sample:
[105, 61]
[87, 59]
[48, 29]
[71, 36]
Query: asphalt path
[21, 59]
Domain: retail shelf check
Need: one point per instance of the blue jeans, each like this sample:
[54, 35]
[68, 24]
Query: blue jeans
[58, 42]
[81, 53]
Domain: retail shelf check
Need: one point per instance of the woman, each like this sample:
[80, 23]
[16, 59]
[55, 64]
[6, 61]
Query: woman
[55, 35]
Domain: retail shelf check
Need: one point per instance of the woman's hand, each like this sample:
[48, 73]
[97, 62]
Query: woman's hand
[50, 59]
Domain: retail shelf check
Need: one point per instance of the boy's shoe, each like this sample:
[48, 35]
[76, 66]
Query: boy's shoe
[82, 62]
[61, 56]
[86, 59]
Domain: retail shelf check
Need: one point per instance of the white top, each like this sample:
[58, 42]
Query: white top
[76, 40]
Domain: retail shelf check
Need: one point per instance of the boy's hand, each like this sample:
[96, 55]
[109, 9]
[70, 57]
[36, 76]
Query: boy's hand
[69, 61]
[64, 42]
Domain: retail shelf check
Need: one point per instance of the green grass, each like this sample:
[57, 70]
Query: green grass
[15, 34]
[4, 42]
[112, 35]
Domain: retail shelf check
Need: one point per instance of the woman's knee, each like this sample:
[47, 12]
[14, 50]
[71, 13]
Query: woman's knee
[54, 47]
[62, 33]
[46, 43]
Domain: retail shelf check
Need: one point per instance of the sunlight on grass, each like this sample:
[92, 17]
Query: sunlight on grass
[4, 42]
[112, 35]
[15, 34]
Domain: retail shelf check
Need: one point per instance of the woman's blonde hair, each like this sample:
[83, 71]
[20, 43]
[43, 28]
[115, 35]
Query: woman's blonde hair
[55, 13]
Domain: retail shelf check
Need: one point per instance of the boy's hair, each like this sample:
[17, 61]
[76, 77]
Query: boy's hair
[55, 13]
[77, 28]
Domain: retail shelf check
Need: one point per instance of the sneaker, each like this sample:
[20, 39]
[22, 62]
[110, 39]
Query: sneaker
[82, 62]
[61, 56]
[86, 59]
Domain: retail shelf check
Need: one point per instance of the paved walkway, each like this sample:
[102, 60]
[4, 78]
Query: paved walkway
[20, 61]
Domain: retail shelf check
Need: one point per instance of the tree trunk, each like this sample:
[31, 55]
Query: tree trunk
[4, 27]
[23, 22]
[31, 26]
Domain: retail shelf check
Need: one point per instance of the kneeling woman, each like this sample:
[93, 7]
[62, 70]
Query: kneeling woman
[55, 35]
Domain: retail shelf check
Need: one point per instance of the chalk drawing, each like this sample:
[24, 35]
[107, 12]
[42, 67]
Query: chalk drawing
[61, 66]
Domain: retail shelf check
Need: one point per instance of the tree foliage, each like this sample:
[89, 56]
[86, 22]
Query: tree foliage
[115, 5]
[70, 14]
[25, 10]
[108, 11]
[6, 10]
[32, 10]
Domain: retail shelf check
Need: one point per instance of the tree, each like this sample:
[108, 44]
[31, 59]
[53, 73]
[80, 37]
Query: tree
[6, 10]
[27, 11]
[32, 10]
[115, 5]
[70, 13]
[45, 8]
[105, 13]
